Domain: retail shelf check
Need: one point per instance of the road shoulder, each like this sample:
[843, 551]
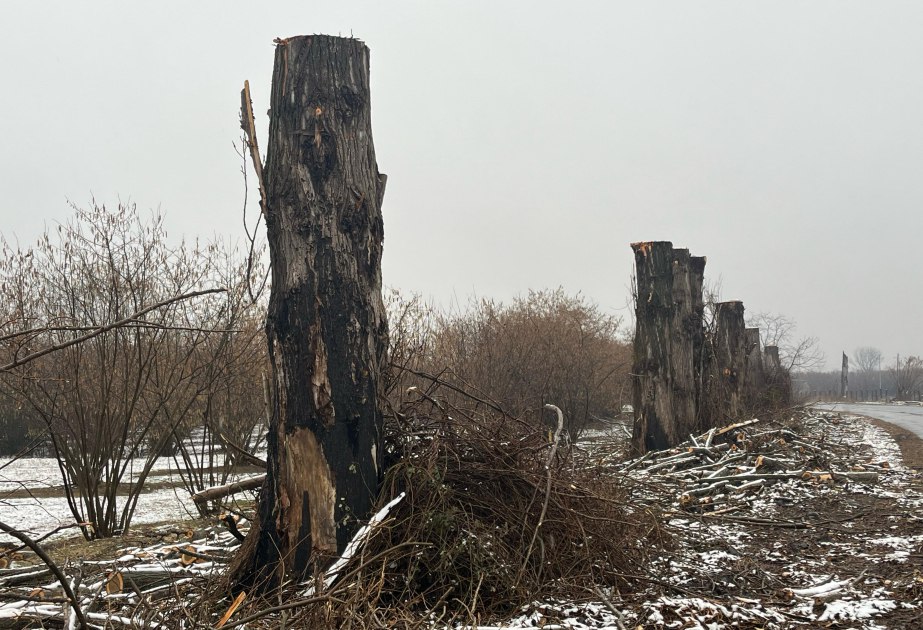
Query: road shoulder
[910, 444]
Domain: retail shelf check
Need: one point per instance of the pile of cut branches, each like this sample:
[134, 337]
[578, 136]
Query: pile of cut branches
[494, 518]
[720, 472]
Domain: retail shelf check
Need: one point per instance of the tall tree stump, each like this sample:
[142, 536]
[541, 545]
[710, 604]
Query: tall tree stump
[686, 339]
[326, 324]
[652, 383]
[730, 360]
[754, 380]
[696, 327]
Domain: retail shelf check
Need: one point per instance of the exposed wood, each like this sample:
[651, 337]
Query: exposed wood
[231, 609]
[326, 323]
[249, 126]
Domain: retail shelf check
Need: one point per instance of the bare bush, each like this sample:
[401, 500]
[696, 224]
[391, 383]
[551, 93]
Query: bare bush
[114, 402]
[547, 346]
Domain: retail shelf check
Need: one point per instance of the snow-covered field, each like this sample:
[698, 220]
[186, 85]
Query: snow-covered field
[38, 515]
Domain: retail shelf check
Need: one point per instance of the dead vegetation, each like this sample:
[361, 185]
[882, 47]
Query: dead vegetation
[489, 521]
[466, 543]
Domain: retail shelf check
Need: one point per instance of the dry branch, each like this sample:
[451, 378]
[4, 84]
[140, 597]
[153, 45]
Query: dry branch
[219, 492]
[104, 329]
[59, 575]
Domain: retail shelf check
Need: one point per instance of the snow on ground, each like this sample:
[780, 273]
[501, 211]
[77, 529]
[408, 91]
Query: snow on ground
[827, 571]
[38, 515]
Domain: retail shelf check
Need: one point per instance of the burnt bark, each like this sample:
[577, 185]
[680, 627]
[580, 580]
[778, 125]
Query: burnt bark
[326, 324]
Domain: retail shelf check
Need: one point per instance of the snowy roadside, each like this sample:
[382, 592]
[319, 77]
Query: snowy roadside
[806, 551]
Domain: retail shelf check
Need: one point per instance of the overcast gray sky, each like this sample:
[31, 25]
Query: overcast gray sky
[526, 143]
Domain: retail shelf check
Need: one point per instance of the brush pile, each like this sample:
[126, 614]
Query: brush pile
[488, 522]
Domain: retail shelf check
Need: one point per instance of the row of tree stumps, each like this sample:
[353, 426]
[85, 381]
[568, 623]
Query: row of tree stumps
[692, 372]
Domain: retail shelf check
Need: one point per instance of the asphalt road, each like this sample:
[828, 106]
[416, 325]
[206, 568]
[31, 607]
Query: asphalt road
[909, 417]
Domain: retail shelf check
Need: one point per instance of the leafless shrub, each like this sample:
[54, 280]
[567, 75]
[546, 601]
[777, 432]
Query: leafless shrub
[547, 346]
[114, 402]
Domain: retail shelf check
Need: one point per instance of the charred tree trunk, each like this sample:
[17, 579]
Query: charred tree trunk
[326, 325]
[730, 361]
[668, 344]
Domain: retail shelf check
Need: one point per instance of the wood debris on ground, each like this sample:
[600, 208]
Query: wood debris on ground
[812, 522]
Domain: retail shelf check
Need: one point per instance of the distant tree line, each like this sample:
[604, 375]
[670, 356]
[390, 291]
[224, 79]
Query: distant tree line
[871, 376]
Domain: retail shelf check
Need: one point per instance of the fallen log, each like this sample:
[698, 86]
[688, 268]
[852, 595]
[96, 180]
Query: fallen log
[219, 492]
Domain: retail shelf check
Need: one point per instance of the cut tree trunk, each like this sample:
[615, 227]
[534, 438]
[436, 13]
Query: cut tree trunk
[667, 364]
[754, 381]
[730, 361]
[686, 333]
[696, 283]
[326, 323]
[652, 387]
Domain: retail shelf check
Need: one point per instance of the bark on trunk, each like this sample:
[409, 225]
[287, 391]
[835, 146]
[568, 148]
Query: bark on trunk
[652, 387]
[754, 382]
[686, 330]
[697, 282]
[326, 325]
[668, 345]
[730, 360]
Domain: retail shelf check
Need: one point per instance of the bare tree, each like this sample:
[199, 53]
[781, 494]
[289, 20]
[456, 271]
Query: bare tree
[867, 374]
[908, 377]
[796, 354]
